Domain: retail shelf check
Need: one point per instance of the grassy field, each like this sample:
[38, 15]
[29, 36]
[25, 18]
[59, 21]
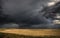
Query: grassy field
[29, 33]
[8, 35]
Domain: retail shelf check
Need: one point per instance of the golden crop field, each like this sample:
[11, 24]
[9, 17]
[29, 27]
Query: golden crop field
[33, 32]
[29, 33]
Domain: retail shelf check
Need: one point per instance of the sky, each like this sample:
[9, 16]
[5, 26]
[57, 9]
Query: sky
[25, 13]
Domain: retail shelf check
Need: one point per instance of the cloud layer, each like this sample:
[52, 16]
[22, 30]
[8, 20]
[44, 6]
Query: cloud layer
[25, 12]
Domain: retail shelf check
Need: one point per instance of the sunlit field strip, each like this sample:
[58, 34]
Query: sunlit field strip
[33, 32]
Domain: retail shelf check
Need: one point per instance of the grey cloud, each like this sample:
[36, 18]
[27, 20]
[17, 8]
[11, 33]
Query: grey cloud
[25, 11]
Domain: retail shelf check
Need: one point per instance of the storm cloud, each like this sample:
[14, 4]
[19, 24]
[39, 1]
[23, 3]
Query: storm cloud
[24, 12]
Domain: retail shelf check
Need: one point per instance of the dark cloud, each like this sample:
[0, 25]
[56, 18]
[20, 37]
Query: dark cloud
[24, 12]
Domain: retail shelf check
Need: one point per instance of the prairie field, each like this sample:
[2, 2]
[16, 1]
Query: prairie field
[30, 33]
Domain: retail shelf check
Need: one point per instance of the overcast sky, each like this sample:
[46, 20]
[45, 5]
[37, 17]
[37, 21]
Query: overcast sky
[26, 11]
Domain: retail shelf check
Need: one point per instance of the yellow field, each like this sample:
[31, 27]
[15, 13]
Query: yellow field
[33, 32]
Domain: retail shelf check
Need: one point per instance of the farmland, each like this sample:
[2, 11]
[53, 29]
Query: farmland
[30, 33]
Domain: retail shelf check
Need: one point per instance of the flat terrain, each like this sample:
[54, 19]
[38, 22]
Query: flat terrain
[33, 32]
